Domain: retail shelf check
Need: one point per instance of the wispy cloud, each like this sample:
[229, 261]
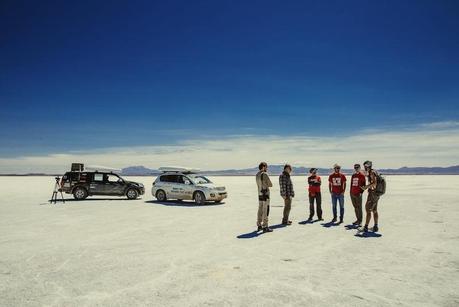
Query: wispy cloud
[424, 145]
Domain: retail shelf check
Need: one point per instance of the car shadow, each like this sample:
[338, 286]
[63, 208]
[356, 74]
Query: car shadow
[172, 203]
[91, 199]
[368, 235]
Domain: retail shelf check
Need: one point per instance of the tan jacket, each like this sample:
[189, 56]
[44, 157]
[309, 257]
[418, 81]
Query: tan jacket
[263, 182]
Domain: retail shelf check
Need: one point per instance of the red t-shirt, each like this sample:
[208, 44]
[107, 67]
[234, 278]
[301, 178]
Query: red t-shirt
[314, 184]
[357, 181]
[337, 182]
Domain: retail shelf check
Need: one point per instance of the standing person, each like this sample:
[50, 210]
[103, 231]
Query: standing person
[287, 192]
[314, 182]
[358, 182]
[373, 198]
[337, 186]
[263, 184]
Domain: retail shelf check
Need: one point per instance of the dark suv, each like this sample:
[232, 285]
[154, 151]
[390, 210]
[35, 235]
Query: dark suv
[84, 184]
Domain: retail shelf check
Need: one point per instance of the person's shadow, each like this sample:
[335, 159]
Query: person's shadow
[250, 235]
[368, 235]
[351, 227]
[330, 224]
[257, 233]
[306, 222]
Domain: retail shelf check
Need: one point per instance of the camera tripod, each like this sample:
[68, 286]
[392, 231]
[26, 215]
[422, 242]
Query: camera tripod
[55, 191]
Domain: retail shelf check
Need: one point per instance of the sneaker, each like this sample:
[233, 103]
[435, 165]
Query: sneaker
[309, 220]
[287, 223]
[334, 220]
[375, 228]
[365, 228]
[340, 220]
[356, 223]
[320, 219]
[259, 228]
[267, 229]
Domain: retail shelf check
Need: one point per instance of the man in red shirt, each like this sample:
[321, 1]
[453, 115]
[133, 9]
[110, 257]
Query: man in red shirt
[314, 194]
[358, 182]
[337, 186]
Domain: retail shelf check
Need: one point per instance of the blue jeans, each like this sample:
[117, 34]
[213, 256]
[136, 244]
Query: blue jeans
[335, 199]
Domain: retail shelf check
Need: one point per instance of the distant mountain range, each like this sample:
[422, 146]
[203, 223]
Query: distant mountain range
[277, 169]
[301, 170]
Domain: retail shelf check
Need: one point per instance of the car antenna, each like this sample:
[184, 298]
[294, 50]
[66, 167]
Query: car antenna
[56, 190]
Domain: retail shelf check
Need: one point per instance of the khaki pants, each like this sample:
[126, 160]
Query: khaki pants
[262, 216]
[357, 203]
[372, 202]
[287, 208]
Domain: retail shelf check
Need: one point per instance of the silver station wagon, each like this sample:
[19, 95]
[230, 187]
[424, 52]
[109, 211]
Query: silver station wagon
[186, 184]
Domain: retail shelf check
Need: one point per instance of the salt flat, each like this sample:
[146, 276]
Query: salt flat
[126, 253]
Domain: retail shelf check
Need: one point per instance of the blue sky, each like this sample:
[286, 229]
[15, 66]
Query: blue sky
[79, 76]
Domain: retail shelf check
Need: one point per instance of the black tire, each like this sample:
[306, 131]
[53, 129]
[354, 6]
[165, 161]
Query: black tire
[80, 193]
[199, 198]
[218, 201]
[161, 195]
[132, 193]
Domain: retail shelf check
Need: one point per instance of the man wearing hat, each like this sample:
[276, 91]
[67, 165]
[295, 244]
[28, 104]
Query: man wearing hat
[314, 194]
[358, 182]
[337, 186]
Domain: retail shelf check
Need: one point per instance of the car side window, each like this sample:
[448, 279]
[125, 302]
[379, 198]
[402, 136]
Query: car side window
[167, 178]
[180, 179]
[99, 177]
[113, 178]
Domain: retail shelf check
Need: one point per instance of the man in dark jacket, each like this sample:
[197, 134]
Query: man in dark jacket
[287, 193]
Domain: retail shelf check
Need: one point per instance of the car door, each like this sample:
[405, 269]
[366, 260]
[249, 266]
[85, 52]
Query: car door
[177, 184]
[114, 185]
[165, 184]
[97, 185]
[188, 188]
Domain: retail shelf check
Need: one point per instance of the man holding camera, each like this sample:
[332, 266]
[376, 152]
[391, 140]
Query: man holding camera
[263, 184]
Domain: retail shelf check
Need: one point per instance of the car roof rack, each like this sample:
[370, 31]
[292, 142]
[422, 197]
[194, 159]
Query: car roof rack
[104, 169]
[178, 169]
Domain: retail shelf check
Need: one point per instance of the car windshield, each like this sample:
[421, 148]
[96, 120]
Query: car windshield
[200, 179]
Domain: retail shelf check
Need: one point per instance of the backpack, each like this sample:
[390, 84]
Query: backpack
[380, 184]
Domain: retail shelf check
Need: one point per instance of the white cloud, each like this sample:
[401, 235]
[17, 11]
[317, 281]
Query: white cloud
[425, 145]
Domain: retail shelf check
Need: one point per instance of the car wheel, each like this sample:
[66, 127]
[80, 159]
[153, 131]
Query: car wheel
[80, 193]
[132, 194]
[199, 198]
[161, 195]
[218, 201]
